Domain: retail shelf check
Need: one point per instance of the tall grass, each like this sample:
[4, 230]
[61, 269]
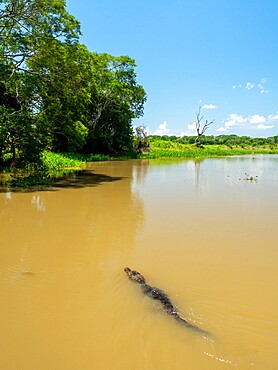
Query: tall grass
[52, 160]
[191, 151]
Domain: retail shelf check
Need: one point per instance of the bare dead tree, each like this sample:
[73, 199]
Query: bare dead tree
[199, 129]
[142, 142]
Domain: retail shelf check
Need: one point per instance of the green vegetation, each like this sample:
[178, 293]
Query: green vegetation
[57, 97]
[172, 146]
[52, 165]
[230, 141]
[50, 161]
[250, 178]
[31, 180]
[54, 93]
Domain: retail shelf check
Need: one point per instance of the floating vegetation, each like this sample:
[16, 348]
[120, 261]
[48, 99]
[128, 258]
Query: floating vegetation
[24, 180]
[250, 178]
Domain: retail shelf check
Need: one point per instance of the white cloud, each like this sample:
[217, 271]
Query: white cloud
[191, 130]
[230, 123]
[222, 129]
[235, 120]
[272, 117]
[162, 129]
[261, 126]
[192, 127]
[250, 85]
[256, 118]
[262, 89]
[181, 134]
[261, 86]
[255, 121]
[209, 106]
[254, 85]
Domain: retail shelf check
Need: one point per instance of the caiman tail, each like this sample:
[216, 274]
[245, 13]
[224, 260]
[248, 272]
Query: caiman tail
[205, 334]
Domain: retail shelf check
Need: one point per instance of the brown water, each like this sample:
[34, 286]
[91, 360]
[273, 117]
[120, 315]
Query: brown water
[198, 230]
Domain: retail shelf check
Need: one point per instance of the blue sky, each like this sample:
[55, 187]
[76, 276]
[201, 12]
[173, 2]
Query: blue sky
[221, 55]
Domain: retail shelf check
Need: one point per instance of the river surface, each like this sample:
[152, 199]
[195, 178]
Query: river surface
[206, 232]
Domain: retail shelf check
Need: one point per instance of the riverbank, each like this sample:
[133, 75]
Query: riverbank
[158, 149]
[69, 160]
[53, 165]
[50, 167]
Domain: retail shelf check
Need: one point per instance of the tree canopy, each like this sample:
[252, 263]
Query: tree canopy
[26, 25]
[55, 93]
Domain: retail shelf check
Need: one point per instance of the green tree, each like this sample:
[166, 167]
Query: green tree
[115, 99]
[56, 92]
[27, 30]
[18, 132]
[62, 96]
[25, 25]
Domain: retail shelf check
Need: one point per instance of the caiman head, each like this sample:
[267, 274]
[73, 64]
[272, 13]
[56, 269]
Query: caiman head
[135, 275]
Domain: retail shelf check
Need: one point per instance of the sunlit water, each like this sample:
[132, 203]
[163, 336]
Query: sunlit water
[199, 230]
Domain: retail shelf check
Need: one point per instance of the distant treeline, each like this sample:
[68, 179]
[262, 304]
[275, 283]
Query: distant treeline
[228, 140]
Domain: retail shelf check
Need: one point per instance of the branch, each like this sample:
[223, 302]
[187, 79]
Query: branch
[199, 120]
[207, 124]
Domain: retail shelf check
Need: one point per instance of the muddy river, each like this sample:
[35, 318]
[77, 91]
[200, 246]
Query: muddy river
[206, 232]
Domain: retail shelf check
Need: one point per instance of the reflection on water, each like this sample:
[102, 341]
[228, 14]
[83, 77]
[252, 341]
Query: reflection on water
[196, 229]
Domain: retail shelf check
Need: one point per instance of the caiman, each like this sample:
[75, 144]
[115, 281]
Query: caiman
[161, 296]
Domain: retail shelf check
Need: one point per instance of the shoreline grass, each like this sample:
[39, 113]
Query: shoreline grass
[206, 152]
[52, 163]
[52, 160]
[59, 161]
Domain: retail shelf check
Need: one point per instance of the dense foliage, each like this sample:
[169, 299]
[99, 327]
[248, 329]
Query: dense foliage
[54, 92]
[185, 147]
[231, 141]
